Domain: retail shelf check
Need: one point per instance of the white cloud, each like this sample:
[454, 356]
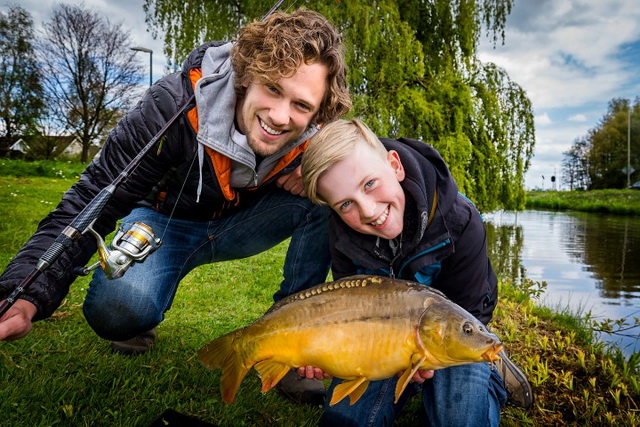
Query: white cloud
[578, 118]
[543, 119]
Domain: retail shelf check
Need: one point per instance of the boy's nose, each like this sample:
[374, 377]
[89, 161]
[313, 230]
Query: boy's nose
[367, 210]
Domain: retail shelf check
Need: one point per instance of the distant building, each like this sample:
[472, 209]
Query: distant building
[50, 147]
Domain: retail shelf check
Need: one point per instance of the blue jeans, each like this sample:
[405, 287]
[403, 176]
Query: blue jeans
[122, 308]
[467, 395]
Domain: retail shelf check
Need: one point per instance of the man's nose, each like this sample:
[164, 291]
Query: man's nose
[279, 114]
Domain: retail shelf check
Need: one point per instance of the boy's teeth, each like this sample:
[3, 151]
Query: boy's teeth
[381, 219]
[269, 130]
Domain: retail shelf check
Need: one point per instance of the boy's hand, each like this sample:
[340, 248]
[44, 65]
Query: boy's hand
[292, 182]
[16, 323]
[312, 372]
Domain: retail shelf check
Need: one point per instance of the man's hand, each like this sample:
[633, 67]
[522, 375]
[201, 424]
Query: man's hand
[312, 372]
[292, 182]
[16, 323]
[420, 375]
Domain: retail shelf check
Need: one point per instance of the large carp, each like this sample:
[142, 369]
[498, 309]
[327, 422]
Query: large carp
[360, 328]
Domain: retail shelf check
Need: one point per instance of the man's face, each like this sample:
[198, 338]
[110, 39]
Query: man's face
[272, 115]
[364, 189]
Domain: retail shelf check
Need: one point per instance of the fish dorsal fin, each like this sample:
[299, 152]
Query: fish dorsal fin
[346, 388]
[408, 373]
[270, 373]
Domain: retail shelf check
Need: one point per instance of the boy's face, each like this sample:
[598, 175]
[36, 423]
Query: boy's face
[364, 189]
[272, 115]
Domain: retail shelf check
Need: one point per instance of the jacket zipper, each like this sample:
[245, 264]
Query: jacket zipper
[432, 249]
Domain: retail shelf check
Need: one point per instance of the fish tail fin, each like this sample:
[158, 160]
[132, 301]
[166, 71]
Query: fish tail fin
[221, 353]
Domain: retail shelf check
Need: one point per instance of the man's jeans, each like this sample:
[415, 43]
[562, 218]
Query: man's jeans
[123, 308]
[468, 395]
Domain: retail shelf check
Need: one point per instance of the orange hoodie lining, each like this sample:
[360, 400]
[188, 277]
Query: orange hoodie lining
[222, 163]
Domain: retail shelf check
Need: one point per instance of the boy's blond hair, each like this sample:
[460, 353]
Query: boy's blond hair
[332, 144]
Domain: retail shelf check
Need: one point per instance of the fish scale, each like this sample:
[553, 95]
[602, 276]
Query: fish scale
[360, 328]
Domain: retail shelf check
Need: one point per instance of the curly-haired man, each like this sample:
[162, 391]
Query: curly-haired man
[223, 184]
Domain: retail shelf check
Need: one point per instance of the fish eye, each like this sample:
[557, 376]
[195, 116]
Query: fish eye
[467, 328]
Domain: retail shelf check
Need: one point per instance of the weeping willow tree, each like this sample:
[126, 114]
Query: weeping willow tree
[413, 72]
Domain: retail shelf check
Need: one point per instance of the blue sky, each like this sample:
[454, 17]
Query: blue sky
[571, 56]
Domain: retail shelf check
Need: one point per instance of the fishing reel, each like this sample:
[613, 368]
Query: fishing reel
[127, 247]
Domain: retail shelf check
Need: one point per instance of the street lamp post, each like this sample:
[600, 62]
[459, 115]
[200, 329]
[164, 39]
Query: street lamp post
[150, 52]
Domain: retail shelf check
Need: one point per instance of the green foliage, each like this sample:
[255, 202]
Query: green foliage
[623, 202]
[412, 73]
[604, 151]
[21, 101]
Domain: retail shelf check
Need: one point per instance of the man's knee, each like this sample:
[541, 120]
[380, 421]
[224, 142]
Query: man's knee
[122, 317]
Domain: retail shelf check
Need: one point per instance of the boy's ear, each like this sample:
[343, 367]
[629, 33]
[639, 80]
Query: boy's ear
[394, 160]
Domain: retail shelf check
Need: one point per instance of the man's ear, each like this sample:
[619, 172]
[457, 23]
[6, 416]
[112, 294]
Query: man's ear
[394, 160]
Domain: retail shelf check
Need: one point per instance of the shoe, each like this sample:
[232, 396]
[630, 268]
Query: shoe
[136, 345]
[301, 390]
[519, 391]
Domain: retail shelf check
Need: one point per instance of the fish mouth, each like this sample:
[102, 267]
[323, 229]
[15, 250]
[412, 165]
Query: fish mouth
[491, 355]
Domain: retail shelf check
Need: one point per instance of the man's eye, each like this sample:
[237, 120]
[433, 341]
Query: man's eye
[272, 89]
[369, 183]
[303, 107]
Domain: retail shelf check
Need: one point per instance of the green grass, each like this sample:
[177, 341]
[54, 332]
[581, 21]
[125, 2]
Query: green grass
[622, 202]
[41, 168]
[62, 374]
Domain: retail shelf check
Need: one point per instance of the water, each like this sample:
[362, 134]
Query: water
[591, 262]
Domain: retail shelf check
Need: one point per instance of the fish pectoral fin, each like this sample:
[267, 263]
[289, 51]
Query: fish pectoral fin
[351, 387]
[270, 373]
[358, 392]
[406, 376]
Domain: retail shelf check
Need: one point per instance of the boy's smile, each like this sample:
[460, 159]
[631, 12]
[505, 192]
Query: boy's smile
[364, 189]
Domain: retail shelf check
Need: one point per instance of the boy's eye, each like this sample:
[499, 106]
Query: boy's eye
[345, 205]
[272, 88]
[369, 184]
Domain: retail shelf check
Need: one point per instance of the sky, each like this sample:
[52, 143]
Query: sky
[570, 56]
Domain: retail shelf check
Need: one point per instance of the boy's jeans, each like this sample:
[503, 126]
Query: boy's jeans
[123, 308]
[467, 395]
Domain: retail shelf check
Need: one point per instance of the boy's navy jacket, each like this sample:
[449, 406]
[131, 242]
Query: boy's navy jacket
[447, 251]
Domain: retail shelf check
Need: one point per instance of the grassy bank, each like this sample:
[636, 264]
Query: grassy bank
[622, 202]
[62, 374]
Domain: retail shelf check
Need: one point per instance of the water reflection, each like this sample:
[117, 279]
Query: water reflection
[589, 261]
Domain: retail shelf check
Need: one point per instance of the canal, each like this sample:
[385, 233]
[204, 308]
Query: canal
[590, 262]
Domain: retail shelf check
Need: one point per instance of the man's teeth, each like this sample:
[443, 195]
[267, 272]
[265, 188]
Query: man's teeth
[381, 219]
[269, 130]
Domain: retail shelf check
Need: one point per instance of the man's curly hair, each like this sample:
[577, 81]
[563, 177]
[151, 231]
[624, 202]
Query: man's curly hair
[270, 50]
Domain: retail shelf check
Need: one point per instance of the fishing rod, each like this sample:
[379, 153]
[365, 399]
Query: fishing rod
[126, 248]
